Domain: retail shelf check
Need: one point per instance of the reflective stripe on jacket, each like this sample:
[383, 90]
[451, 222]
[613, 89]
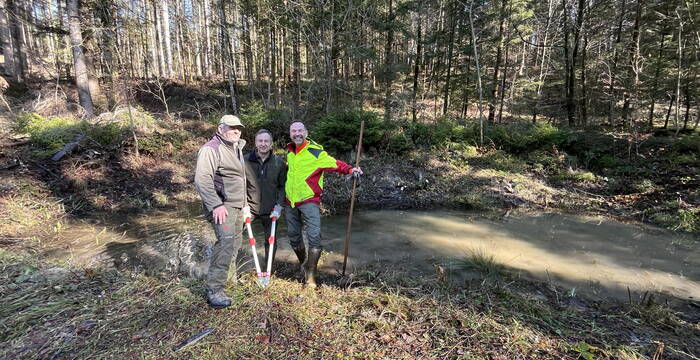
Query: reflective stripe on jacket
[305, 172]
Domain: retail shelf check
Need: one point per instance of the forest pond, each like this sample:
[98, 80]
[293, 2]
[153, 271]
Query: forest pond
[597, 256]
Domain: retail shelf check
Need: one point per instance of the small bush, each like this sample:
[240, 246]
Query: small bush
[141, 118]
[22, 121]
[338, 131]
[604, 162]
[544, 158]
[576, 176]
[684, 159]
[518, 138]
[254, 116]
[471, 201]
[644, 186]
[688, 144]
[399, 142]
[163, 144]
[501, 160]
[50, 135]
[108, 135]
[687, 220]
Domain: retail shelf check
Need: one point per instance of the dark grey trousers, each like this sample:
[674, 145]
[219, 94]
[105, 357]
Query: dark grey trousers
[225, 250]
[307, 218]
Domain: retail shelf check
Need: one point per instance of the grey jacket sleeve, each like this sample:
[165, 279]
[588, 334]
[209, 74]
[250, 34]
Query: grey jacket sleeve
[204, 178]
[281, 180]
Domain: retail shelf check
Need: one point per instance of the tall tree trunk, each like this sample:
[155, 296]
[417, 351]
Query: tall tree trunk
[229, 51]
[450, 47]
[630, 93]
[679, 71]
[478, 73]
[502, 90]
[158, 31]
[416, 69]
[613, 70]
[248, 50]
[389, 64]
[81, 71]
[687, 105]
[668, 112]
[654, 88]
[108, 36]
[166, 38]
[583, 104]
[273, 65]
[20, 58]
[7, 43]
[543, 61]
[467, 85]
[296, 55]
[207, 39]
[497, 65]
[181, 68]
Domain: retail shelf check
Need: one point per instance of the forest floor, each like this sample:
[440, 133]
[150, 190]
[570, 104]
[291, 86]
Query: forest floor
[57, 310]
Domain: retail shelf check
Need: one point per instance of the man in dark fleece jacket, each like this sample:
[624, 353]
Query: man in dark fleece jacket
[220, 180]
[267, 173]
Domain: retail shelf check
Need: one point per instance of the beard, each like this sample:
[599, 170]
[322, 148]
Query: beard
[232, 137]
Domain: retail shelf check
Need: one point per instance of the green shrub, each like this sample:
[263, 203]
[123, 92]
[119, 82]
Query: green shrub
[50, 135]
[518, 138]
[108, 135]
[576, 176]
[163, 144]
[339, 130]
[604, 162]
[254, 116]
[420, 133]
[399, 142]
[141, 118]
[684, 159]
[687, 220]
[214, 117]
[544, 158]
[22, 121]
[688, 144]
[500, 160]
[471, 201]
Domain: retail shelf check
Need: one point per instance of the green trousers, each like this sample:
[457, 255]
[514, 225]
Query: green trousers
[225, 250]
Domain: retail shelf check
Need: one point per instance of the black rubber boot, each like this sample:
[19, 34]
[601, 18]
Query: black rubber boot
[310, 269]
[300, 250]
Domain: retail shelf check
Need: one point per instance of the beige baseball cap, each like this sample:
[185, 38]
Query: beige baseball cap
[230, 120]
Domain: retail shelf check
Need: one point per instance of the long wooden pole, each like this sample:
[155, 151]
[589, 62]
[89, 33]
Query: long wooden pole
[352, 196]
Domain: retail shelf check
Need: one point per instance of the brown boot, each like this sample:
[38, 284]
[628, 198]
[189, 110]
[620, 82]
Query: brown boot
[310, 269]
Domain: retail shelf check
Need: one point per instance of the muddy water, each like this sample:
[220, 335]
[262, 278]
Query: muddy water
[584, 254]
[594, 255]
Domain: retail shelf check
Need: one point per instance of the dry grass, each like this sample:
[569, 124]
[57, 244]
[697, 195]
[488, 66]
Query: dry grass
[92, 313]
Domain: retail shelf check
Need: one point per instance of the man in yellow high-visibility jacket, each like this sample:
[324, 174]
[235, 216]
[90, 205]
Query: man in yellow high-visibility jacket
[306, 163]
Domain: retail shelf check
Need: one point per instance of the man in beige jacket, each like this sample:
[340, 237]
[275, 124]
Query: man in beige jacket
[220, 181]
